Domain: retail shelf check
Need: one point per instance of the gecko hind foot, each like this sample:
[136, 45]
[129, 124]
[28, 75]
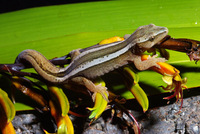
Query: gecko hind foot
[146, 64]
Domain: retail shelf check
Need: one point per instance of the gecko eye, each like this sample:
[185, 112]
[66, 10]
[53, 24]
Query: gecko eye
[151, 39]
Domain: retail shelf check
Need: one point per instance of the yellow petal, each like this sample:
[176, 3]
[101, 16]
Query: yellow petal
[177, 78]
[70, 128]
[7, 106]
[98, 100]
[111, 40]
[60, 98]
[8, 129]
[136, 90]
[100, 103]
[168, 79]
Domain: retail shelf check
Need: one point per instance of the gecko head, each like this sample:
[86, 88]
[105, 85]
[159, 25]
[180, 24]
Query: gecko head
[149, 35]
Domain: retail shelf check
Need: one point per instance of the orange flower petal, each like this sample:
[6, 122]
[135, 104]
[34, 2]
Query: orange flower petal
[111, 40]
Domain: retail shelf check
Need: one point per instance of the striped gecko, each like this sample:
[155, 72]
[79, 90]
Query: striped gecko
[95, 61]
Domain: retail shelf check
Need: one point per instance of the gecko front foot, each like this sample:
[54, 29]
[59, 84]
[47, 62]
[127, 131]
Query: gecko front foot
[95, 88]
[146, 64]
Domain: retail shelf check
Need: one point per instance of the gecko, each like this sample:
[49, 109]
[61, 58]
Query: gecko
[88, 64]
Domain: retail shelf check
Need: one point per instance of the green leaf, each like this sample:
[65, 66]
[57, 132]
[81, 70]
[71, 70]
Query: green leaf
[56, 30]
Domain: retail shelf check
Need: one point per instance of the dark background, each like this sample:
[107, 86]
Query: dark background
[13, 5]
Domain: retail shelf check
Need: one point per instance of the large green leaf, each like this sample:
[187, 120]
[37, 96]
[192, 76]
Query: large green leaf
[56, 30]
